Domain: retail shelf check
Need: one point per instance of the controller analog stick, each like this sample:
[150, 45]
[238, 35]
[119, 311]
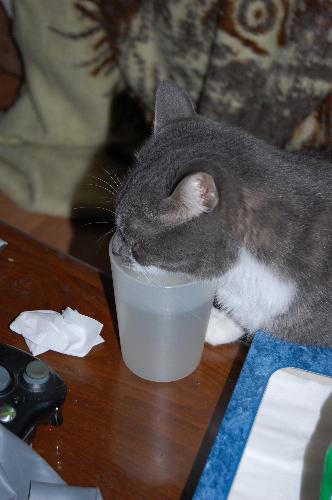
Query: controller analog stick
[4, 378]
[36, 372]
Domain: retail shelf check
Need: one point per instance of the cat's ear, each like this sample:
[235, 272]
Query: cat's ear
[172, 103]
[194, 195]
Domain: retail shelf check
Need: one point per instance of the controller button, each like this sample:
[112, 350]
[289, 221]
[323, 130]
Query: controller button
[7, 413]
[4, 378]
[36, 372]
[18, 399]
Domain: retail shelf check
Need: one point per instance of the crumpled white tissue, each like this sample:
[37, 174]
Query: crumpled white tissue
[68, 332]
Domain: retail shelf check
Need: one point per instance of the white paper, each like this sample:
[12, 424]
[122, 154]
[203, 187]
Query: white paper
[68, 332]
[284, 456]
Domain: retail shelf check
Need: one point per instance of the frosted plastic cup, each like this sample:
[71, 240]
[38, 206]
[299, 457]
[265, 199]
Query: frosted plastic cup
[162, 321]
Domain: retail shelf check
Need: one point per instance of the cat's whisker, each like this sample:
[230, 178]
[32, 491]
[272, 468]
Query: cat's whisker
[105, 199]
[106, 210]
[102, 180]
[99, 208]
[98, 222]
[114, 178]
[117, 177]
[103, 236]
[115, 189]
[114, 193]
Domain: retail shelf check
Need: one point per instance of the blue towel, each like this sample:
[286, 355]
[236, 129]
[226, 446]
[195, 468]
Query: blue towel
[266, 355]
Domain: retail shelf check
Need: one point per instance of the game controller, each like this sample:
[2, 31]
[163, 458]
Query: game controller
[30, 392]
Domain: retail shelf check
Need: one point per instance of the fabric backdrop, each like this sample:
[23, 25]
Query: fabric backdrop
[92, 68]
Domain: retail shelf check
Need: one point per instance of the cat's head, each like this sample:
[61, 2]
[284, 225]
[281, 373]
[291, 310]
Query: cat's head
[167, 212]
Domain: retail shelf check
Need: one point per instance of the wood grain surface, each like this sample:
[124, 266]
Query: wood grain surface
[133, 438]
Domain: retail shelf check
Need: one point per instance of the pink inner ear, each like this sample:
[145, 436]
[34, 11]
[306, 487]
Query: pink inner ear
[206, 190]
[198, 192]
[194, 195]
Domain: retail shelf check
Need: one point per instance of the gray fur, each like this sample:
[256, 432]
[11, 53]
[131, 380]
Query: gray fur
[275, 204]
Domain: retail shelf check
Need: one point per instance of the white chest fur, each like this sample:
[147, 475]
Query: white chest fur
[254, 294]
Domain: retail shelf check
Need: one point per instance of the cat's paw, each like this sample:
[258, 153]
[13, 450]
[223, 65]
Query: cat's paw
[222, 329]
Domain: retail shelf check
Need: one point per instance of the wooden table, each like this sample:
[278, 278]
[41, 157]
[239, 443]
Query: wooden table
[133, 438]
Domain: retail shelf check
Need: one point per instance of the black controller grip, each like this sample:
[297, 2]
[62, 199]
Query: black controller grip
[30, 392]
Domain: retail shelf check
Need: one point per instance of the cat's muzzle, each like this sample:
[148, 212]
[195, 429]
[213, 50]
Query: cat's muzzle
[121, 248]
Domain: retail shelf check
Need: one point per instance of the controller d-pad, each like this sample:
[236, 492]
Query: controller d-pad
[36, 372]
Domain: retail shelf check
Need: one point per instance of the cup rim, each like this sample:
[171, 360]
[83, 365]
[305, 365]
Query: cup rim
[194, 282]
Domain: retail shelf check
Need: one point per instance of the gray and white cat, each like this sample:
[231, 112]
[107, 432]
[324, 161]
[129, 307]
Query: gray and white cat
[210, 200]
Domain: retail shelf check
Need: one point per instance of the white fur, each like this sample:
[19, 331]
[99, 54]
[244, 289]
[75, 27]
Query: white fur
[253, 294]
[222, 329]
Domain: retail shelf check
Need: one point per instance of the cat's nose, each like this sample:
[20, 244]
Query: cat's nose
[121, 248]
